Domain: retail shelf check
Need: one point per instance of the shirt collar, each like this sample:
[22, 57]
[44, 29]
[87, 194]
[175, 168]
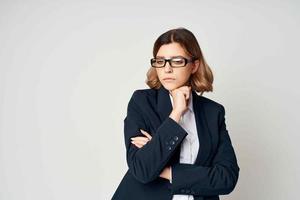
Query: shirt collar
[190, 105]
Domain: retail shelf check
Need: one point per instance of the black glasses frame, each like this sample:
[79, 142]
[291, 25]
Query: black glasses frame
[186, 61]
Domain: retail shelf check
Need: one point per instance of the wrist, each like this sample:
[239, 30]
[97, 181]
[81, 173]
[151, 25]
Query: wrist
[175, 115]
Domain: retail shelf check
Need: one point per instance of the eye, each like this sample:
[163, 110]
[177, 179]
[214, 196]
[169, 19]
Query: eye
[160, 61]
[178, 61]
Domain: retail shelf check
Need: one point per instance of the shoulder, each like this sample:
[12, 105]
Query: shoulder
[213, 109]
[211, 104]
[141, 94]
[144, 97]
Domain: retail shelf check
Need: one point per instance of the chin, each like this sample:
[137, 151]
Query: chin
[170, 86]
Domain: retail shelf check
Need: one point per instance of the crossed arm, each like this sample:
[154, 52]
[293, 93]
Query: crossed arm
[148, 161]
[140, 141]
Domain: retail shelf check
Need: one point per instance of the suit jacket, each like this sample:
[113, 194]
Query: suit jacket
[215, 171]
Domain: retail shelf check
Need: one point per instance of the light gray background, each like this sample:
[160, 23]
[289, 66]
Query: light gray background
[68, 69]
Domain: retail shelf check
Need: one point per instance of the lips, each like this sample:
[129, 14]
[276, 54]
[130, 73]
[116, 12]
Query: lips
[168, 78]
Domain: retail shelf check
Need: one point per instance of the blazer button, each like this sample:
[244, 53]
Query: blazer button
[175, 138]
[172, 142]
[169, 148]
[182, 190]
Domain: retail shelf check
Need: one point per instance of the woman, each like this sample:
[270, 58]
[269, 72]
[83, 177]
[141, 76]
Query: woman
[177, 144]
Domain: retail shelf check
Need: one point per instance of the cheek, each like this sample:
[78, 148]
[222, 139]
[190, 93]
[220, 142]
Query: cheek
[183, 74]
[159, 72]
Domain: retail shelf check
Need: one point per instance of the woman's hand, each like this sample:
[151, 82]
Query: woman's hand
[180, 98]
[140, 142]
[166, 173]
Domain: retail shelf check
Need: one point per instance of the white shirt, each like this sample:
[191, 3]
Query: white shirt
[190, 145]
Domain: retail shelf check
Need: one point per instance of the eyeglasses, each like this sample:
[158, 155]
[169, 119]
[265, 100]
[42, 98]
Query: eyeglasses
[174, 62]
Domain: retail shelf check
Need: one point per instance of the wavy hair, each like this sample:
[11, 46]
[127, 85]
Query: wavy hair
[200, 81]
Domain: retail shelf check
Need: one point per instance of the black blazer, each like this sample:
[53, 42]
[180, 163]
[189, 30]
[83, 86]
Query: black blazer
[215, 171]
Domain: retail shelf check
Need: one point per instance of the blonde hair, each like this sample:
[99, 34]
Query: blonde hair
[200, 81]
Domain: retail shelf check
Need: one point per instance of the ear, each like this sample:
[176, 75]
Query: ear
[196, 65]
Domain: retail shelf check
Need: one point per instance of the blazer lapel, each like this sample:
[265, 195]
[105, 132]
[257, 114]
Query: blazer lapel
[164, 108]
[204, 135]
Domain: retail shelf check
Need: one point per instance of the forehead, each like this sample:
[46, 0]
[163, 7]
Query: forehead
[171, 50]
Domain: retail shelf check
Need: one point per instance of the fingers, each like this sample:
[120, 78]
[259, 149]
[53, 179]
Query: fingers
[186, 91]
[136, 143]
[139, 144]
[185, 87]
[143, 139]
[139, 141]
[147, 134]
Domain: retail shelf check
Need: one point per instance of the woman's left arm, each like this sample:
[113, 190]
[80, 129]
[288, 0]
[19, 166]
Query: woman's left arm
[219, 179]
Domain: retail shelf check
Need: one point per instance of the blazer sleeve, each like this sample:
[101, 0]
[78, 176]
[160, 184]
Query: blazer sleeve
[146, 163]
[218, 179]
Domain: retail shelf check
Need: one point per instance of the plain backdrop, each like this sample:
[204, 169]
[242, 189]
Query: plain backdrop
[68, 69]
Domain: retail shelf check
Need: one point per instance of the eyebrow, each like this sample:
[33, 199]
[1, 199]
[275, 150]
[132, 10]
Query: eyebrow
[171, 56]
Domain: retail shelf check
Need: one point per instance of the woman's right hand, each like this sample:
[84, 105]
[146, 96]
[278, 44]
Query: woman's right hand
[180, 101]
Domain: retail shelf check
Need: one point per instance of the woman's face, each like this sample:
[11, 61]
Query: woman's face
[179, 76]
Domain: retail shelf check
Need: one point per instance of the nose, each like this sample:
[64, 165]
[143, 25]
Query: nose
[168, 68]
